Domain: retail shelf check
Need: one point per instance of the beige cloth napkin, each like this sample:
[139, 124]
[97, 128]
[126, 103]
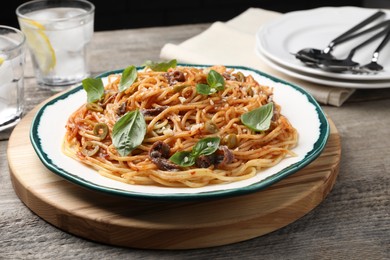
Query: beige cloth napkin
[233, 43]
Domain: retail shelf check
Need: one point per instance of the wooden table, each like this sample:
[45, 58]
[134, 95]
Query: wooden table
[352, 223]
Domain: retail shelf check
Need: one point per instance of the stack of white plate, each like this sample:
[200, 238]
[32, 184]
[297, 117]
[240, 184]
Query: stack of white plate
[277, 40]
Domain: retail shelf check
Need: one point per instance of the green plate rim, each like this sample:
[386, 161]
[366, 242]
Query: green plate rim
[309, 157]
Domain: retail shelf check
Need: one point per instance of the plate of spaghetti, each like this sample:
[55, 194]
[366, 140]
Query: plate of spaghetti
[173, 131]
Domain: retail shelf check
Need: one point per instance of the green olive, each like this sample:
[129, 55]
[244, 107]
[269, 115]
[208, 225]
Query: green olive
[100, 130]
[211, 127]
[89, 152]
[94, 107]
[179, 87]
[230, 141]
[250, 92]
[240, 77]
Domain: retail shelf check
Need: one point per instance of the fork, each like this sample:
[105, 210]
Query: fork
[373, 65]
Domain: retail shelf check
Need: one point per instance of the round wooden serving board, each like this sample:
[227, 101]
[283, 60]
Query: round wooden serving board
[166, 225]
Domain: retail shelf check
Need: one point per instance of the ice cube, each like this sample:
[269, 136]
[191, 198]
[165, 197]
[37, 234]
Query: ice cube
[71, 39]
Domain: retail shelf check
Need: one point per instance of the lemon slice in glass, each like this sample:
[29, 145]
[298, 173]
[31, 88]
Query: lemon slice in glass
[39, 44]
[1, 60]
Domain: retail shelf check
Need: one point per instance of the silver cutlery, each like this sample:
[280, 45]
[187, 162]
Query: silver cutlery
[347, 64]
[311, 55]
[318, 62]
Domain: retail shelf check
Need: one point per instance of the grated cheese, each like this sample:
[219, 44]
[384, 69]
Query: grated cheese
[182, 99]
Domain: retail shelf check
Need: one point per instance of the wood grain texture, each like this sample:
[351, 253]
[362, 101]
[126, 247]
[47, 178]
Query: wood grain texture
[166, 225]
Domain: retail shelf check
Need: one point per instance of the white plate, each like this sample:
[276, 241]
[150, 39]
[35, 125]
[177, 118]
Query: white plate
[362, 84]
[47, 133]
[316, 28]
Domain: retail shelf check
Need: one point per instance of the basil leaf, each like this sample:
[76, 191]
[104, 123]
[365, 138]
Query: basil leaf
[129, 75]
[215, 80]
[203, 89]
[162, 66]
[206, 146]
[184, 159]
[94, 89]
[259, 119]
[129, 132]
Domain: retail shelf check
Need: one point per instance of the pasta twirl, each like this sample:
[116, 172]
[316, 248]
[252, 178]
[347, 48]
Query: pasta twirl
[177, 117]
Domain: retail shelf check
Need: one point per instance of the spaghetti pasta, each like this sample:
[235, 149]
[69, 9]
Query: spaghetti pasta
[183, 110]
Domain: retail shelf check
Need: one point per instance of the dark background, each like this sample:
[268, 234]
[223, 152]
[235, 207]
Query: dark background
[121, 14]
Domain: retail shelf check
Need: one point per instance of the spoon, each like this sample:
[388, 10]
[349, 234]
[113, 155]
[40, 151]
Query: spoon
[339, 65]
[311, 55]
[373, 65]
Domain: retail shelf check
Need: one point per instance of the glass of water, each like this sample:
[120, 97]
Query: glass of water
[12, 57]
[58, 34]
